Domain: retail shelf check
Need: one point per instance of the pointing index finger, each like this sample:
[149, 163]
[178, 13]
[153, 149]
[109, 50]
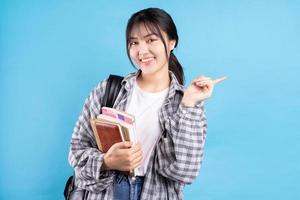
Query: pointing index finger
[218, 80]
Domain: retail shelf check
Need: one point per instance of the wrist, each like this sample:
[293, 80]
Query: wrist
[105, 165]
[187, 103]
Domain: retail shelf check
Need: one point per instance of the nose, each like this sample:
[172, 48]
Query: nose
[143, 48]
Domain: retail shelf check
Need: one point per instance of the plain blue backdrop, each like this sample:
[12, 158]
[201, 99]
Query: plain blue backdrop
[52, 53]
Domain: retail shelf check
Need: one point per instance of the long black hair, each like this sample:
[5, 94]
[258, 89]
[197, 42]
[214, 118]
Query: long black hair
[156, 19]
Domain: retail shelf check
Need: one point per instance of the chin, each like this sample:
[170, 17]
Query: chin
[147, 71]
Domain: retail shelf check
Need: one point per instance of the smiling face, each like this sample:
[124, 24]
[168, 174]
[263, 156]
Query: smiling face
[147, 50]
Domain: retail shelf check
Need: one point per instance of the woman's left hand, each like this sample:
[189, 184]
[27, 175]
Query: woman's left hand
[200, 89]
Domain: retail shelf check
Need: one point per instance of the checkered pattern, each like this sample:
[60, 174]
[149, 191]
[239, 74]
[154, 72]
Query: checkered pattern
[175, 161]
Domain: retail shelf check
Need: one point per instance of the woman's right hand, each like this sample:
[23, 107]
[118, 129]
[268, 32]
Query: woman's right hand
[123, 156]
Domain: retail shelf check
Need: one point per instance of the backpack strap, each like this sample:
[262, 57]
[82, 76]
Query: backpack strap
[112, 90]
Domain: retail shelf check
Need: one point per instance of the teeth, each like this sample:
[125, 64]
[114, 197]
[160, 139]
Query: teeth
[146, 59]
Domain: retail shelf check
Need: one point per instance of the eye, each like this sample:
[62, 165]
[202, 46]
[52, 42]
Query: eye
[132, 43]
[151, 40]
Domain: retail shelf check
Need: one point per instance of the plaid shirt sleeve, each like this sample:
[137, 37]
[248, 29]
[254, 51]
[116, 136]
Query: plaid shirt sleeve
[84, 155]
[180, 152]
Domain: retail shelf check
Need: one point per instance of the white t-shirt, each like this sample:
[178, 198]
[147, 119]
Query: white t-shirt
[145, 107]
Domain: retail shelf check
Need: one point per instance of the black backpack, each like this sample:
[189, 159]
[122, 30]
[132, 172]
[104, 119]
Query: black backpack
[112, 90]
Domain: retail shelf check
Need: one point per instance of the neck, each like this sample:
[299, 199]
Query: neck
[151, 83]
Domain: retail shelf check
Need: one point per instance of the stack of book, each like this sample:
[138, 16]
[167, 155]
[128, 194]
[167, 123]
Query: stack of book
[113, 126]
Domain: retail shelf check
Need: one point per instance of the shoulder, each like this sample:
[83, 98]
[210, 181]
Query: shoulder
[98, 91]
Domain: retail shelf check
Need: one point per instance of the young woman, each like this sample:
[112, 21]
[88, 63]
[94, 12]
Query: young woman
[170, 121]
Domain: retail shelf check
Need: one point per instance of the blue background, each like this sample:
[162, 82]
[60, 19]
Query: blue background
[52, 53]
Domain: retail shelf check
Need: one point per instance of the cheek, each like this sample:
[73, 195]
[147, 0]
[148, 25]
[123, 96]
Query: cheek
[160, 49]
[132, 54]
[162, 54]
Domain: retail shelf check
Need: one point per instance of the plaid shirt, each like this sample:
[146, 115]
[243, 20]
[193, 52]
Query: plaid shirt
[176, 158]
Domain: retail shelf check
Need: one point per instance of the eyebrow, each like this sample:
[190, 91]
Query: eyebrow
[150, 34]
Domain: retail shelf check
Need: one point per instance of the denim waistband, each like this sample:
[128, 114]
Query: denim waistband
[136, 179]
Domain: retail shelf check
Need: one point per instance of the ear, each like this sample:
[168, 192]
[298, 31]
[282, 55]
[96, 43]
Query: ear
[172, 44]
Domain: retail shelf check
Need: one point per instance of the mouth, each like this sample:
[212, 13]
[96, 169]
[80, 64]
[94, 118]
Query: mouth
[147, 60]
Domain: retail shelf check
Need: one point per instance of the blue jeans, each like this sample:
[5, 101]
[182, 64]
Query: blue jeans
[127, 189]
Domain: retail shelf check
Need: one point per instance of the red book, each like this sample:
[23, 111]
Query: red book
[106, 133]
